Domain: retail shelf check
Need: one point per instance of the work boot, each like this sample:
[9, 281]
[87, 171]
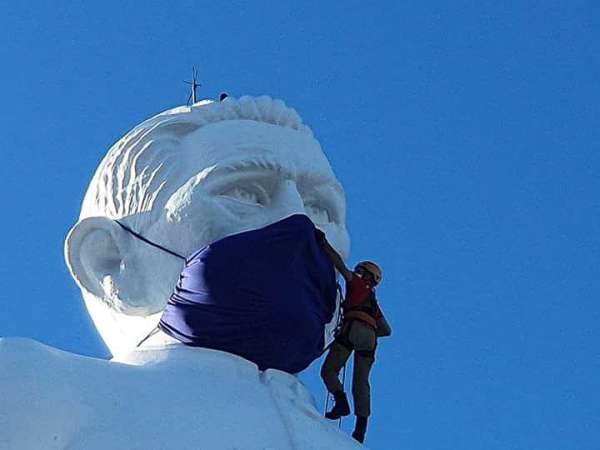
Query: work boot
[340, 408]
[360, 429]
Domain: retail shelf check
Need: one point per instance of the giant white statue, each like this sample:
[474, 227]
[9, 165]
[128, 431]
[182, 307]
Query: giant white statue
[176, 183]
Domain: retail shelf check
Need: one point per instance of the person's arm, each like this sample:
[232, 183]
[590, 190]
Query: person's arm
[334, 256]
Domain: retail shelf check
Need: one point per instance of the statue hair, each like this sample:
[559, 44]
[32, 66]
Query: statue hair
[138, 166]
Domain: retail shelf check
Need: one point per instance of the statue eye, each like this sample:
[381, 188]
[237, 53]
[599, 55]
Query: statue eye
[251, 195]
[317, 213]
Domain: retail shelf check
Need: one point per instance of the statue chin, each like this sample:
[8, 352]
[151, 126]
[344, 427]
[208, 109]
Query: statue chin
[120, 332]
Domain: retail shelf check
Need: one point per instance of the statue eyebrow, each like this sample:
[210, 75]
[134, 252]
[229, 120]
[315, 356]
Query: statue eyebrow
[262, 163]
[279, 167]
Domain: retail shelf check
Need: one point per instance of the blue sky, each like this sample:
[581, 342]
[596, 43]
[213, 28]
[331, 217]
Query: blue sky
[467, 136]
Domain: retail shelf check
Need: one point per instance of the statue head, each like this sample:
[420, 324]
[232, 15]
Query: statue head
[184, 179]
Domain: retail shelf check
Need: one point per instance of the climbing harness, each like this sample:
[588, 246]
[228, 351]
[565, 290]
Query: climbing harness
[365, 311]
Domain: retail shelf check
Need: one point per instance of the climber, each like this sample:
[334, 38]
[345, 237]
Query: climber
[363, 322]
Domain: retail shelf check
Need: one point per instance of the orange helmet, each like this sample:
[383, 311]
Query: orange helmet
[372, 268]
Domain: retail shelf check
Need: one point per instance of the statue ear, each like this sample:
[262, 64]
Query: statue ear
[95, 250]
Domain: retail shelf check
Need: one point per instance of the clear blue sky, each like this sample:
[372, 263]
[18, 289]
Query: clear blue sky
[467, 135]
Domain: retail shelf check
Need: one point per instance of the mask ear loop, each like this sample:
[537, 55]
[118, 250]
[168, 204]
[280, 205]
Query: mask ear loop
[160, 247]
[148, 241]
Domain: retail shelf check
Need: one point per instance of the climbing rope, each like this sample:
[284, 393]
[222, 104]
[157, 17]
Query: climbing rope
[343, 384]
[335, 334]
[328, 396]
[155, 330]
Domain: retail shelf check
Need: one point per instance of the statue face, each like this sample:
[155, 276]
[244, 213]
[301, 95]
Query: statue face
[245, 175]
[229, 177]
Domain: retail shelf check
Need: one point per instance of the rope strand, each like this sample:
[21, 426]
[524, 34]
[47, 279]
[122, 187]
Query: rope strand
[343, 384]
[335, 332]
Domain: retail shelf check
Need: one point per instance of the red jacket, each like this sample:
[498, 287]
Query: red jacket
[359, 302]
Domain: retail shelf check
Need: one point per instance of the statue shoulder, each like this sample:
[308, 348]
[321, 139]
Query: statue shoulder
[28, 368]
[33, 407]
[19, 356]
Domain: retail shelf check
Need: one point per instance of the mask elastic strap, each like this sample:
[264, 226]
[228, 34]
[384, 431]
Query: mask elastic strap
[148, 241]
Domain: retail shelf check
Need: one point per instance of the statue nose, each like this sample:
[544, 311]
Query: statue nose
[288, 200]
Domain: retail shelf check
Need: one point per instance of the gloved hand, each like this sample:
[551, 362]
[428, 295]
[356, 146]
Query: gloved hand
[321, 239]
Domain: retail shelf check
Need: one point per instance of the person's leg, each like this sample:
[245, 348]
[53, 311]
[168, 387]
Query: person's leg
[364, 340]
[360, 429]
[361, 388]
[335, 360]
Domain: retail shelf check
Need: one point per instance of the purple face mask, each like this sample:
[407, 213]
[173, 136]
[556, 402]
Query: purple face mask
[265, 295]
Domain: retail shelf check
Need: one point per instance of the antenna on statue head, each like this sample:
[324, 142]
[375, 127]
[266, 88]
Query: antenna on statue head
[195, 85]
